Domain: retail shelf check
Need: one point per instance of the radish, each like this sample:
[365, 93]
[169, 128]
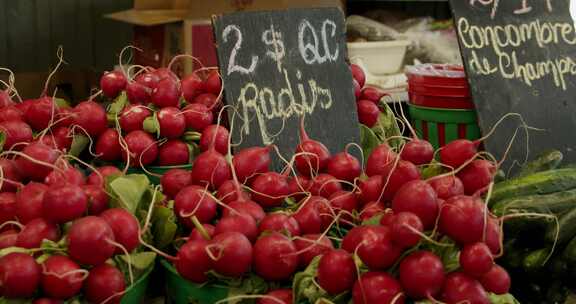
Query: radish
[210, 167]
[370, 189]
[232, 253]
[457, 152]
[125, 227]
[40, 112]
[49, 140]
[493, 233]
[40, 152]
[89, 240]
[197, 116]
[344, 166]
[47, 301]
[247, 207]
[357, 89]
[8, 206]
[496, 280]
[10, 113]
[368, 113]
[251, 161]
[270, 189]
[325, 185]
[387, 219]
[310, 246]
[241, 223]
[35, 231]
[476, 259]
[10, 173]
[19, 275]
[62, 204]
[68, 176]
[299, 187]
[213, 83]
[166, 93]
[173, 153]
[308, 216]
[149, 79]
[207, 99]
[16, 132]
[380, 160]
[105, 171]
[336, 271]
[192, 86]
[406, 229]
[280, 296]
[477, 175]
[105, 283]
[422, 275]
[29, 202]
[61, 278]
[377, 287]
[403, 173]
[373, 244]
[166, 73]
[372, 209]
[461, 288]
[193, 262]
[24, 105]
[418, 152]
[8, 238]
[417, 197]
[462, 219]
[217, 136]
[112, 83]
[172, 122]
[228, 192]
[108, 146]
[5, 99]
[311, 156]
[91, 117]
[194, 200]
[138, 93]
[447, 186]
[175, 180]
[97, 199]
[372, 94]
[358, 74]
[64, 117]
[275, 257]
[196, 234]
[63, 138]
[281, 223]
[132, 117]
[143, 149]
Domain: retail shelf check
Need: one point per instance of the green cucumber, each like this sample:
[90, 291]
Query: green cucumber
[567, 226]
[535, 259]
[569, 253]
[548, 160]
[553, 203]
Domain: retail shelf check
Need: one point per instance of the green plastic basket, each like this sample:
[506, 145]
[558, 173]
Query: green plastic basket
[441, 126]
[137, 292]
[155, 170]
[182, 291]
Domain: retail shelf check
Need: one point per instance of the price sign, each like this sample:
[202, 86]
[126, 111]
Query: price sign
[281, 65]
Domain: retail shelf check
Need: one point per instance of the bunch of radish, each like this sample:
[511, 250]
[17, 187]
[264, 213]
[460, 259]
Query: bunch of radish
[367, 98]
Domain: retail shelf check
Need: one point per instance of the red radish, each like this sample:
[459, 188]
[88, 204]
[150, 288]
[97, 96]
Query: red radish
[418, 152]
[357, 89]
[325, 185]
[344, 201]
[279, 222]
[476, 259]
[217, 136]
[228, 192]
[166, 93]
[19, 275]
[197, 116]
[125, 227]
[207, 99]
[8, 238]
[311, 246]
[166, 73]
[64, 117]
[358, 74]
[247, 207]
[241, 223]
[40, 152]
[336, 271]
[308, 216]
[68, 176]
[10, 173]
[8, 206]
[10, 113]
[35, 231]
[97, 199]
[149, 79]
[47, 301]
[407, 229]
[192, 261]
[65, 203]
[112, 83]
[96, 179]
[417, 197]
[380, 160]
[173, 153]
[91, 117]
[312, 156]
[233, 253]
[194, 200]
[377, 287]
[461, 288]
[278, 296]
[270, 189]
[5, 99]
[387, 218]
[212, 168]
[251, 161]
[138, 93]
[108, 146]
[493, 233]
[213, 83]
[457, 152]
[372, 94]
[104, 283]
[477, 175]
[143, 149]
[195, 234]
[25, 105]
[89, 240]
[371, 189]
[175, 180]
[422, 275]
[132, 118]
[496, 280]
[299, 187]
[373, 244]
[447, 186]
[192, 86]
[274, 257]
[372, 209]
[403, 173]
[368, 113]
[16, 132]
[61, 278]
[462, 219]
[29, 202]
[344, 166]
[172, 122]
[63, 138]
[40, 112]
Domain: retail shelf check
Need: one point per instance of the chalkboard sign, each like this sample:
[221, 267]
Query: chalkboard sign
[276, 67]
[520, 57]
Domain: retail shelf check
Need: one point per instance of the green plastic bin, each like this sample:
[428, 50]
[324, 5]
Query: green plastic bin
[137, 292]
[441, 126]
[181, 291]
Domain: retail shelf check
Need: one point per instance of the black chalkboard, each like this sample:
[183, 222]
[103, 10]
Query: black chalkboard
[279, 65]
[520, 57]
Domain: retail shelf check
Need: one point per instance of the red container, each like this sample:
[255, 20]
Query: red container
[448, 75]
[441, 101]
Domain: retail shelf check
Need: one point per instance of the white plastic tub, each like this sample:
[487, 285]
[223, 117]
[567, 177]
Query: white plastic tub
[379, 57]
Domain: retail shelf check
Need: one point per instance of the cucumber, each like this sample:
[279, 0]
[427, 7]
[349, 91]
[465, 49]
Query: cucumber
[567, 225]
[554, 203]
[548, 160]
[569, 253]
[535, 259]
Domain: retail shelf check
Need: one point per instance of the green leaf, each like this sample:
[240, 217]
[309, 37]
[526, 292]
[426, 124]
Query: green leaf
[140, 260]
[118, 105]
[431, 170]
[163, 226]
[14, 301]
[191, 136]
[130, 189]
[303, 285]
[61, 103]
[387, 126]
[13, 249]
[375, 220]
[502, 299]
[2, 140]
[368, 141]
[151, 125]
[79, 143]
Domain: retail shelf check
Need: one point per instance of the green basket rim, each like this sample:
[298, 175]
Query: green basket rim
[458, 116]
[143, 277]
